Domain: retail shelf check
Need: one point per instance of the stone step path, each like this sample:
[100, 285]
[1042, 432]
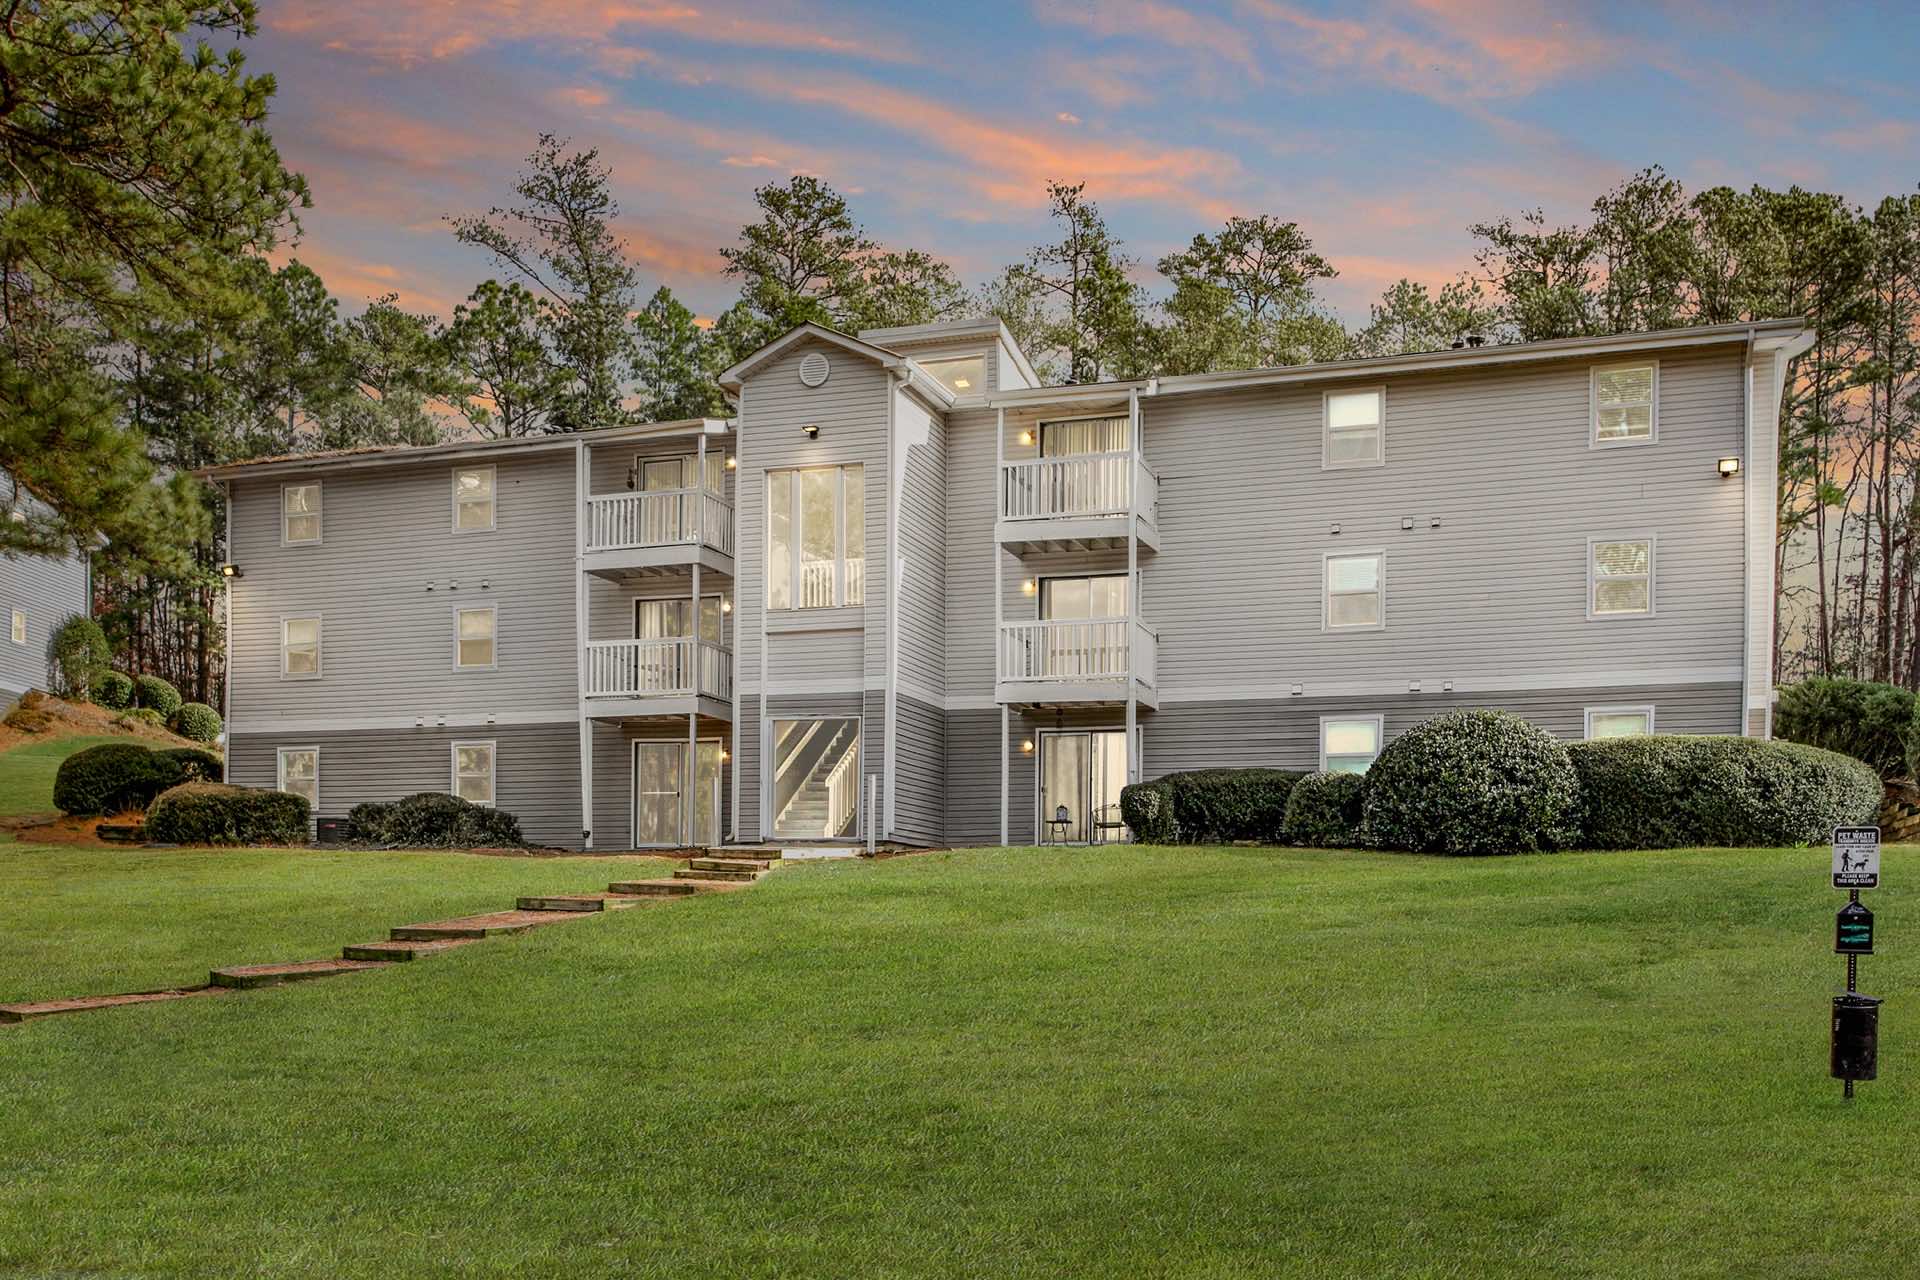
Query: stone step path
[723, 870]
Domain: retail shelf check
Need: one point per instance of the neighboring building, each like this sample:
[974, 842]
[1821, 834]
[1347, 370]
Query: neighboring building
[904, 561]
[37, 594]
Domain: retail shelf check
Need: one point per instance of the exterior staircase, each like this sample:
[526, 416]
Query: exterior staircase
[825, 801]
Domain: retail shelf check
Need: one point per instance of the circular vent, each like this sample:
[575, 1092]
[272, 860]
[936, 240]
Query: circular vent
[814, 369]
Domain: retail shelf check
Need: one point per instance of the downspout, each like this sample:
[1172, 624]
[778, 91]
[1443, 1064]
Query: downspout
[999, 608]
[1746, 543]
[890, 718]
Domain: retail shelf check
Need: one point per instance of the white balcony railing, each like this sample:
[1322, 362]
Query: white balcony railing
[659, 518]
[658, 669]
[1079, 651]
[1077, 486]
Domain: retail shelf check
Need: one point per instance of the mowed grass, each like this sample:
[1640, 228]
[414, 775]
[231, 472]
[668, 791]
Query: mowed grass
[1123, 1062]
[26, 771]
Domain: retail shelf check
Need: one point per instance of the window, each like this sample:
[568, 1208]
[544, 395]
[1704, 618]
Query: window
[667, 619]
[1068, 599]
[299, 648]
[1619, 722]
[966, 376]
[1625, 400]
[473, 499]
[19, 626]
[816, 538]
[299, 513]
[1620, 578]
[1356, 592]
[473, 772]
[1083, 436]
[1354, 433]
[1349, 744]
[299, 774]
[474, 630]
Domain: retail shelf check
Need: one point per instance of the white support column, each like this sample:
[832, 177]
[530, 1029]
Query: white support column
[700, 492]
[1133, 579]
[999, 601]
[582, 480]
[1006, 745]
[693, 677]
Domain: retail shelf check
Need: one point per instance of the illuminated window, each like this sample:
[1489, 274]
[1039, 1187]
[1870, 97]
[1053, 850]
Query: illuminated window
[1620, 578]
[299, 513]
[473, 499]
[966, 376]
[1354, 428]
[19, 626]
[1625, 403]
[1349, 744]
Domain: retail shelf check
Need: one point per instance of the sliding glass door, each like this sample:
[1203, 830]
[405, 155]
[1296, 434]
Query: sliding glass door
[661, 808]
[1081, 773]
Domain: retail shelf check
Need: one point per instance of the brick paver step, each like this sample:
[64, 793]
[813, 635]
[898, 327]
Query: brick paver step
[667, 888]
[488, 925]
[27, 1010]
[247, 976]
[401, 951]
[730, 875]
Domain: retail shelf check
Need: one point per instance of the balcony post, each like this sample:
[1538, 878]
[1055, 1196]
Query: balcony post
[999, 602]
[582, 480]
[1133, 575]
[700, 492]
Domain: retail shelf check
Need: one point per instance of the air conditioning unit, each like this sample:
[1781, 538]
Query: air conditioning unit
[330, 830]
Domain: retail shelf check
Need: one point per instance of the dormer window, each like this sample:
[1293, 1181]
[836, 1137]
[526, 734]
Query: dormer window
[966, 376]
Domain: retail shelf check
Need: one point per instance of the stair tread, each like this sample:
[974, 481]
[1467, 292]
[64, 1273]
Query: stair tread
[21, 1011]
[264, 975]
[402, 950]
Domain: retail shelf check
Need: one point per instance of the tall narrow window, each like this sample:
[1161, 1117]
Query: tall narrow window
[1354, 429]
[1620, 578]
[299, 770]
[299, 513]
[473, 771]
[300, 648]
[19, 626]
[1356, 592]
[473, 499]
[1349, 744]
[474, 637]
[816, 538]
[1625, 403]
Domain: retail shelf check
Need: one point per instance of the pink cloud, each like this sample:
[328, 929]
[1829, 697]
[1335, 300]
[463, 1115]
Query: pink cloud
[1168, 25]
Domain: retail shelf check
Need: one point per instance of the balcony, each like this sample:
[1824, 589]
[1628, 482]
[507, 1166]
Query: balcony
[672, 677]
[1081, 661]
[1078, 502]
[635, 534]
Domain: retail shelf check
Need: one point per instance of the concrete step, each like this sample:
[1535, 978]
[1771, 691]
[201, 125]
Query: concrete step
[742, 875]
[247, 976]
[731, 864]
[401, 951]
[668, 888]
[490, 925]
[26, 1011]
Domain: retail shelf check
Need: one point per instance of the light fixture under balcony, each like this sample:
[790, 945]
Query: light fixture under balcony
[1729, 467]
[812, 430]
[1026, 746]
[1026, 437]
[1028, 586]
[732, 462]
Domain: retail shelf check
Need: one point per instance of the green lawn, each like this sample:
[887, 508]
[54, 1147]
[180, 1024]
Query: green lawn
[1127, 1062]
[26, 772]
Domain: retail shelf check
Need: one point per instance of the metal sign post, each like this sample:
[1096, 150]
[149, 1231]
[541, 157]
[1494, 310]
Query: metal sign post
[1854, 1052]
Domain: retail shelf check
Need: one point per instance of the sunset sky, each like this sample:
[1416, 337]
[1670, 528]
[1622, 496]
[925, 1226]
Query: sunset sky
[1383, 128]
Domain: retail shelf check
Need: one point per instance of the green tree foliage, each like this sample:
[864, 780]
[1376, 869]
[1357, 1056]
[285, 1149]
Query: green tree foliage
[496, 343]
[1247, 292]
[405, 380]
[1073, 303]
[676, 362]
[1410, 317]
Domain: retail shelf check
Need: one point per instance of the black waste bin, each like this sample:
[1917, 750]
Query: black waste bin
[1856, 1036]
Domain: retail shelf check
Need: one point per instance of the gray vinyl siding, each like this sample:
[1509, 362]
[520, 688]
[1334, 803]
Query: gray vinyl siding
[610, 605]
[387, 640]
[536, 769]
[48, 590]
[920, 772]
[971, 488]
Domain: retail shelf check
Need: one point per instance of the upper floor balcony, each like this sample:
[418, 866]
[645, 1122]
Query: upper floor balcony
[1078, 661]
[671, 676]
[648, 531]
[1078, 500]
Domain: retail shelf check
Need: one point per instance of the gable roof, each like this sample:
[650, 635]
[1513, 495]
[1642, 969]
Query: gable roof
[730, 380]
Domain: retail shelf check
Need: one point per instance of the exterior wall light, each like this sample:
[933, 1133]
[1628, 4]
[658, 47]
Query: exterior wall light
[1028, 586]
[231, 571]
[1026, 746]
[1026, 437]
[1729, 467]
[732, 462]
[725, 755]
[726, 606]
[812, 430]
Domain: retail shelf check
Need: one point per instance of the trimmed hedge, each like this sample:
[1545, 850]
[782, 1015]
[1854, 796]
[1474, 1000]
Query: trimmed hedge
[214, 813]
[1209, 805]
[1861, 718]
[1471, 782]
[125, 775]
[1671, 791]
[114, 691]
[197, 722]
[1328, 811]
[433, 820]
[157, 695]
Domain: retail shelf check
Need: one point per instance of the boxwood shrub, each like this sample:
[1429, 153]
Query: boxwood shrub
[1327, 811]
[1671, 791]
[197, 722]
[1471, 782]
[157, 695]
[1209, 806]
[125, 775]
[1147, 809]
[433, 820]
[114, 690]
[1861, 718]
[214, 813]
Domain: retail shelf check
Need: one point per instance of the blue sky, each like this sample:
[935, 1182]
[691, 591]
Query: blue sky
[1384, 129]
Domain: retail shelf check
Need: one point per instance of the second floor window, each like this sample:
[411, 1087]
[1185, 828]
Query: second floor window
[1356, 592]
[19, 626]
[1355, 428]
[473, 499]
[668, 619]
[300, 648]
[965, 376]
[299, 513]
[1620, 578]
[473, 645]
[1070, 599]
[816, 538]
[1625, 398]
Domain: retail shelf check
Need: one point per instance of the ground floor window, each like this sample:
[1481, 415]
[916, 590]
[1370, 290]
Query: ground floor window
[1349, 744]
[1081, 773]
[473, 769]
[1619, 722]
[816, 778]
[299, 774]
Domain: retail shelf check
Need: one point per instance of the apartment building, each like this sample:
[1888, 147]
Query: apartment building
[909, 593]
[37, 594]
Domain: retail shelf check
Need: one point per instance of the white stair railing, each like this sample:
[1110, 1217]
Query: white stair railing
[655, 668]
[843, 792]
[1079, 650]
[659, 518]
[1082, 484]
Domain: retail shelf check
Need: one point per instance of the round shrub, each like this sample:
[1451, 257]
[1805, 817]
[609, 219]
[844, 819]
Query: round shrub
[1147, 809]
[1211, 806]
[1471, 782]
[156, 694]
[114, 690]
[1327, 811]
[197, 722]
[125, 775]
[191, 763]
[141, 715]
[1860, 718]
[214, 813]
[434, 820]
[77, 656]
[1672, 791]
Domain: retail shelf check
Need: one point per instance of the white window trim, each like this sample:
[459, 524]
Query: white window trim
[1645, 709]
[1653, 571]
[1379, 733]
[1326, 429]
[459, 609]
[17, 627]
[791, 475]
[1593, 405]
[280, 771]
[320, 516]
[1326, 588]
[493, 499]
[928, 366]
[493, 773]
[720, 597]
[319, 646]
